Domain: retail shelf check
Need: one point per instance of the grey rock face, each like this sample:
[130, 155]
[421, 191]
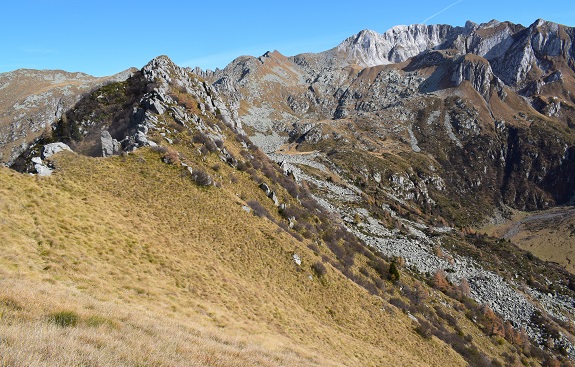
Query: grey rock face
[478, 72]
[53, 148]
[369, 48]
[493, 42]
[40, 167]
[110, 146]
[512, 50]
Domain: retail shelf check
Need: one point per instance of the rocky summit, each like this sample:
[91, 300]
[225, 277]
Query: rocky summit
[392, 160]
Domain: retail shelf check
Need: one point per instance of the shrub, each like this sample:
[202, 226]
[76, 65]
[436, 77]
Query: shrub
[291, 187]
[210, 146]
[171, 157]
[256, 163]
[393, 272]
[399, 303]
[219, 143]
[424, 329]
[319, 268]
[242, 166]
[296, 235]
[379, 266]
[200, 138]
[440, 281]
[177, 127]
[201, 177]
[269, 172]
[259, 209]
[64, 318]
[314, 248]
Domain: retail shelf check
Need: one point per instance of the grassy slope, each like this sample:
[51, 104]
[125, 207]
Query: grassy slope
[163, 272]
[548, 234]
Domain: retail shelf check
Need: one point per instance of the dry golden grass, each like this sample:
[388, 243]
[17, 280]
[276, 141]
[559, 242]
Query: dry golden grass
[547, 234]
[177, 275]
[109, 334]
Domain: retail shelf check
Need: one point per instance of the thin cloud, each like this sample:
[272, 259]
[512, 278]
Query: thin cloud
[441, 11]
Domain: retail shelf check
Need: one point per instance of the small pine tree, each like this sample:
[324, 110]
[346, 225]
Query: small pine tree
[357, 219]
[393, 272]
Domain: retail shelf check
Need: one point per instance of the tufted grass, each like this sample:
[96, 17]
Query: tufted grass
[161, 271]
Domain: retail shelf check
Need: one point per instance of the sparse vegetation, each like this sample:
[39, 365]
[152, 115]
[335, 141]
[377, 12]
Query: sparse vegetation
[201, 177]
[259, 210]
[319, 268]
[64, 318]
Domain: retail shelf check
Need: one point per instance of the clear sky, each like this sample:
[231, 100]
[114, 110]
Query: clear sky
[105, 37]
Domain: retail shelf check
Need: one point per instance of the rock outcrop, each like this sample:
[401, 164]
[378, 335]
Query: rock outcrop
[36, 100]
[110, 146]
[50, 149]
[477, 71]
[124, 116]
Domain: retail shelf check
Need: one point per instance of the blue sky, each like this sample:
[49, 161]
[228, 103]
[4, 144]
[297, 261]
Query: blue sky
[105, 37]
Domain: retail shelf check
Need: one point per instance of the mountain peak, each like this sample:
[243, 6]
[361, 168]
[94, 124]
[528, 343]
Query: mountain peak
[366, 33]
[160, 61]
[369, 48]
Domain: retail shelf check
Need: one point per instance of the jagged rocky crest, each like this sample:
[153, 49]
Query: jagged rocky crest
[120, 117]
[440, 89]
[513, 51]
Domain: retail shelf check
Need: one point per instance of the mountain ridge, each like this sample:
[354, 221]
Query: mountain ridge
[37, 98]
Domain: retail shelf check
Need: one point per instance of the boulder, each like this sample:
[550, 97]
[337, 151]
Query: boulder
[110, 146]
[269, 193]
[296, 259]
[274, 198]
[53, 148]
[141, 138]
[265, 188]
[42, 170]
[40, 167]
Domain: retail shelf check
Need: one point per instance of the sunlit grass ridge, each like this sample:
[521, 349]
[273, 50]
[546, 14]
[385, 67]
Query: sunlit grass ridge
[153, 268]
